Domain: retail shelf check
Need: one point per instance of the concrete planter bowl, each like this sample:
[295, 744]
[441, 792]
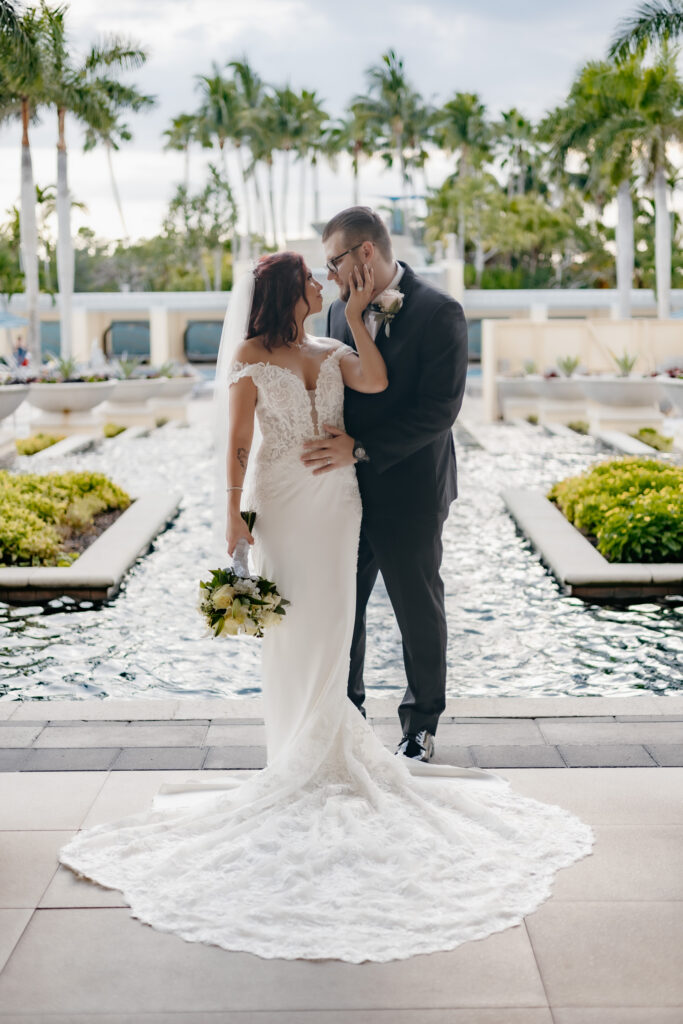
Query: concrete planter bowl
[176, 387]
[11, 397]
[69, 397]
[671, 388]
[563, 389]
[135, 391]
[609, 389]
[518, 387]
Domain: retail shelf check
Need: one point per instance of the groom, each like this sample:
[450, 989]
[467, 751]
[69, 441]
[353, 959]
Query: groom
[402, 445]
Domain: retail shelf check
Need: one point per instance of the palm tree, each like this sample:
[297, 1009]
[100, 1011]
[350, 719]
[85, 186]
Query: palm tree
[284, 116]
[179, 136]
[355, 135]
[250, 91]
[311, 144]
[652, 24]
[73, 89]
[106, 100]
[658, 122]
[514, 140]
[22, 95]
[461, 127]
[597, 121]
[390, 105]
[219, 112]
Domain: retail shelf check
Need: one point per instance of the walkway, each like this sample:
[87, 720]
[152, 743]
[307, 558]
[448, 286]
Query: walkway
[601, 950]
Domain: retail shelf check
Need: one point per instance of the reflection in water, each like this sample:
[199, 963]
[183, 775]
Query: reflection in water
[510, 630]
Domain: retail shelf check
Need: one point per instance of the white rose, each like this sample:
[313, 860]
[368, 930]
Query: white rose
[391, 300]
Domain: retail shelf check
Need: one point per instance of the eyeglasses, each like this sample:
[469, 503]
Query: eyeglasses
[332, 264]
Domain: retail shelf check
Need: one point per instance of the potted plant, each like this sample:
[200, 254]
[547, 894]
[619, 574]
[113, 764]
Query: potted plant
[133, 385]
[561, 383]
[62, 388]
[622, 388]
[13, 391]
[671, 387]
[519, 385]
[176, 381]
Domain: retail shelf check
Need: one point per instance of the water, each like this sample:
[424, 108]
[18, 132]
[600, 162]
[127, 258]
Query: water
[511, 632]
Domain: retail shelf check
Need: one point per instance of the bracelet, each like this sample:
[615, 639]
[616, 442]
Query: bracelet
[234, 488]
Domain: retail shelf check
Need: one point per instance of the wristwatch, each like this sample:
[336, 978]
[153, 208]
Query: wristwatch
[359, 452]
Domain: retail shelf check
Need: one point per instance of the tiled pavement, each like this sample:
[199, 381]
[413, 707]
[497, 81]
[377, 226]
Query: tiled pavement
[39, 737]
[602, 950]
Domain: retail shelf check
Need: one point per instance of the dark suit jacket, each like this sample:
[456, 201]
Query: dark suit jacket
[406, 429]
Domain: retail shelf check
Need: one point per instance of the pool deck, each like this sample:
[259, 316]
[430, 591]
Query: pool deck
[601, 950]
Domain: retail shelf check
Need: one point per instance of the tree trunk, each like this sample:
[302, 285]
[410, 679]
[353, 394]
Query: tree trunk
[217, 268]
[29, 241]
[284, 197]
[662, 246]
[271, 193]
[461, 231]
[245, 193]
[316, 189]
[187, 168]
[302, 197]
[65, 251]
[479, 261]
[356, 178]
[114, 188]
[625, 249]
[260, 205]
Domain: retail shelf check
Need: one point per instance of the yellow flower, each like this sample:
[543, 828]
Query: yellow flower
[222, 597]
[230, 626]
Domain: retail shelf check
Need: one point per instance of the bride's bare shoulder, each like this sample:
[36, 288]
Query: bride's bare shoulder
[329, 344]
[251, 350]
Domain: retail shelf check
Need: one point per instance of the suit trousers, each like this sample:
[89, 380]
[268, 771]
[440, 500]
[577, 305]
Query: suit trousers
[408, 552]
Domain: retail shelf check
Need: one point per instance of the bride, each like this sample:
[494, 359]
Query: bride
[338, 848]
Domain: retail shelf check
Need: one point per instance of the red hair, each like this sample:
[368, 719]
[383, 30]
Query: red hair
[280, 281]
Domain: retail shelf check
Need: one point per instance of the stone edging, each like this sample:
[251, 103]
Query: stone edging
[580, 568]
[97, 574]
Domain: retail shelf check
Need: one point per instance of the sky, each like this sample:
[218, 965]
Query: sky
[522, 53]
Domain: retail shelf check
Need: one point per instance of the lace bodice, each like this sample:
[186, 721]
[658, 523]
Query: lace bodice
[288, 413]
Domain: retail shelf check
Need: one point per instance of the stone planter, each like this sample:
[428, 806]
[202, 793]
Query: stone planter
[135, 390]
[11, 397]
[611, 390]
[518, 387]
[69, 397]
[670, 387]
[564, 389]
[176, 387]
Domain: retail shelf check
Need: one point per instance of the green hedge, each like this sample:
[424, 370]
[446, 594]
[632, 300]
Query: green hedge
[37, 443]
[632, 507]
[38, 512]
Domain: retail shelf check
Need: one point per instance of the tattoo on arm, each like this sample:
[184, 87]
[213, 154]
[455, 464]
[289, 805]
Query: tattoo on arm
[242, 457]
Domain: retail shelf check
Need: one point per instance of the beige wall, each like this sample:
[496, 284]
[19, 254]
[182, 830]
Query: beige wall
[507, 344]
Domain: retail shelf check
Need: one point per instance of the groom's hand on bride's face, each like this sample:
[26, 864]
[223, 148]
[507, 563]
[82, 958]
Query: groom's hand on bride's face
[328, 453]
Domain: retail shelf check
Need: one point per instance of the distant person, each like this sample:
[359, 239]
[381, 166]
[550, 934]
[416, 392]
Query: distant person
[20, 353]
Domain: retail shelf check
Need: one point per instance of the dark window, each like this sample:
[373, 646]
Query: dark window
[201, 340]
[127, 336]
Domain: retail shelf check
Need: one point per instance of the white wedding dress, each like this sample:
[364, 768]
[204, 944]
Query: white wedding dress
[338, 848]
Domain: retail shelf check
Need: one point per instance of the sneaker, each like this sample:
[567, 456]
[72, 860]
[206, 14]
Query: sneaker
[417, 745]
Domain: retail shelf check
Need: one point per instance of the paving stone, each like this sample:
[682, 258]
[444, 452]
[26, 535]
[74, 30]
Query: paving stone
[21, 722]
[669, 755]
[161, 758]
[606, 755]
[19, 735]
[461, 756]
[69, 759]
[236, 757]
[230, 721]
[236, 734]
[649, 718]
[579, 720]
[617, 732]
[517, 757]
[114, 734]
[11, 758]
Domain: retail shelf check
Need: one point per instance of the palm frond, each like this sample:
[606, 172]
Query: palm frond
[653, 23]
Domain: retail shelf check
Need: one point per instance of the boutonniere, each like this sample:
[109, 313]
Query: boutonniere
[387, 306]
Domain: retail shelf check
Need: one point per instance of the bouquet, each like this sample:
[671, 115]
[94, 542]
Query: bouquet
[234, 602]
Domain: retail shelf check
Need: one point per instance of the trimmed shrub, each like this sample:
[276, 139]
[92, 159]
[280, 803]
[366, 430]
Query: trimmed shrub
[632, 507]
[38, 512]
[37, 443]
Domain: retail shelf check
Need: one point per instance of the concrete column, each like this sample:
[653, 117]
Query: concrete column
[159, 336]
[80, 339]
[489, 369]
